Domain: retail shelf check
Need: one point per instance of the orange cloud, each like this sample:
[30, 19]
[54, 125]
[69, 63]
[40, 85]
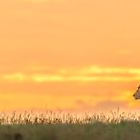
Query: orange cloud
[89, 74]
[46, 78]
[16, 77]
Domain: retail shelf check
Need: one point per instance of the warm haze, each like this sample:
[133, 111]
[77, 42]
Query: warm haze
[69, 54]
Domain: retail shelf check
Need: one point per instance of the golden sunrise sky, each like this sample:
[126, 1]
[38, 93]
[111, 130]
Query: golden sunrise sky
[69, 54]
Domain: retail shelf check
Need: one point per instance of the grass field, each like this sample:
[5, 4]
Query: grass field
[65, 126]
[96, 131]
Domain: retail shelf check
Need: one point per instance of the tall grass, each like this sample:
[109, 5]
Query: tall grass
[50, 125]
[50, 117]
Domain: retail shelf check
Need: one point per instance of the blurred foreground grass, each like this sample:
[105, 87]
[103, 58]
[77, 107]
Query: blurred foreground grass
[96, 131]
[68, 126]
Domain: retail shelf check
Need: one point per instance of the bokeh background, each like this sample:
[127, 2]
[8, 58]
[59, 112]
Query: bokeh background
[69, 54]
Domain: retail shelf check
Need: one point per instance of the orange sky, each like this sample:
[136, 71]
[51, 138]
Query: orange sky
[69, 54]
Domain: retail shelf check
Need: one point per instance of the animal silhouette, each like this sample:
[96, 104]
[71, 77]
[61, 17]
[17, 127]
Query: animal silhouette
[137, 93]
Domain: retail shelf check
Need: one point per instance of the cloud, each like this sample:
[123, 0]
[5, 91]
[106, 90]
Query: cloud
[43, 1]
[47, 78]
[41, 78]
[88, 74]
[109, 70]
[14, 77]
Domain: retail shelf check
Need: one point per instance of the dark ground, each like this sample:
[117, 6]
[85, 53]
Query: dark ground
[97, 131]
